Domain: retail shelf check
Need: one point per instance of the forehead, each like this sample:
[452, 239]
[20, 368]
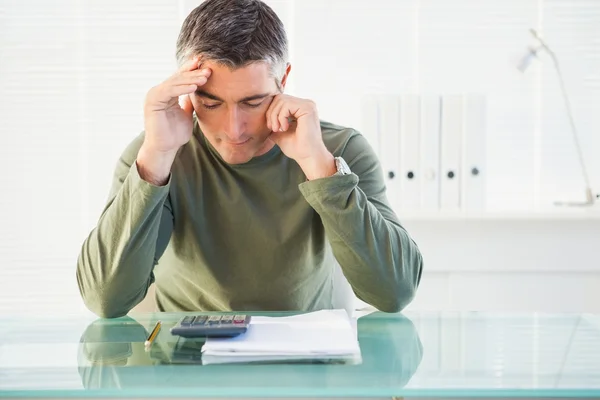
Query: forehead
[235, 83]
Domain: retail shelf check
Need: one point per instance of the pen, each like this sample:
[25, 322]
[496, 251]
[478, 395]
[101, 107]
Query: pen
[153, 334]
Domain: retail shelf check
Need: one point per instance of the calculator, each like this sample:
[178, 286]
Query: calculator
[227, 325]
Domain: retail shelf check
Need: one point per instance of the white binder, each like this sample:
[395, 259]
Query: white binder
[451, 139]
[474, 170]
[429, 167]
[410, 174]
[389, 145]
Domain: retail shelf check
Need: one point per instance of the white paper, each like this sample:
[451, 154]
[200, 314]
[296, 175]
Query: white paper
[327, 334]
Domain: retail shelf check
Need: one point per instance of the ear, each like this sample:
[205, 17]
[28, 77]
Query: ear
[288, 68]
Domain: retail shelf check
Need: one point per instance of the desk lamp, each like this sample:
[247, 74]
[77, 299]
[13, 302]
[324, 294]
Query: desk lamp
[523, 64]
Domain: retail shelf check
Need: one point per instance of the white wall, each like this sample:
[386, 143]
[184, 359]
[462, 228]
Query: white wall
[73, 75]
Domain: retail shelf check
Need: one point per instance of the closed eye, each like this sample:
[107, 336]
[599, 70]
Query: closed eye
[210, 106]
[253, 105]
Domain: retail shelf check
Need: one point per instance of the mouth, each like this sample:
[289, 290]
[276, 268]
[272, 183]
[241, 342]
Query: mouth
[237, 143]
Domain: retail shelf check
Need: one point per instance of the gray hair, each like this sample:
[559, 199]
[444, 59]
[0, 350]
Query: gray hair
[234, 33]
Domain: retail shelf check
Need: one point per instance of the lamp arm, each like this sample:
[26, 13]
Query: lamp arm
[569, 112]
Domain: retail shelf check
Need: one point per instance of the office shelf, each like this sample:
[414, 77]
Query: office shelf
[579, 214]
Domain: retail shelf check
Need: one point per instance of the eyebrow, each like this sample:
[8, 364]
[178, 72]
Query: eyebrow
[204, 93]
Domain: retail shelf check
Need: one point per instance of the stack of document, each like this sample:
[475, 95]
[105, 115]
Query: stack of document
[322, 336]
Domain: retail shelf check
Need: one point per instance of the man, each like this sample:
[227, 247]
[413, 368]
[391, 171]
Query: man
[236, 196]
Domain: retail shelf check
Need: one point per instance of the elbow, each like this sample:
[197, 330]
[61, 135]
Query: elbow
[102, 304]
[398, 300]
[404, 289]
[104, 307]
[99, 301]
[394, 300]
[99, 294]
[110, 313]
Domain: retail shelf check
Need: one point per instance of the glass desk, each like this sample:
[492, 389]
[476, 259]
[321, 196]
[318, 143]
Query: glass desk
[410, 355]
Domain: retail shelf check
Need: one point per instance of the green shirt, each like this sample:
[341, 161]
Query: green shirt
[254, 236]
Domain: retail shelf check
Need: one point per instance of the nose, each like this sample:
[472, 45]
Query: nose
[234, 125]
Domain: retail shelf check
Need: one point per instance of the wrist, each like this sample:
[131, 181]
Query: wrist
[319, 166]
[155, 166]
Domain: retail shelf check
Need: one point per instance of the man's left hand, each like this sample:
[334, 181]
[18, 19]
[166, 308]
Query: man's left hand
[296, 129]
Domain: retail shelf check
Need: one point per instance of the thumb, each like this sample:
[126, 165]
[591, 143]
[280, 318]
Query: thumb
[186, 104]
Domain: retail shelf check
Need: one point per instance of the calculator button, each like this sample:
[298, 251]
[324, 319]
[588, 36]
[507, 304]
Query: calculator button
[200, 320]
[226, 319]
[239, 319]
[187, 320]
[214, 320]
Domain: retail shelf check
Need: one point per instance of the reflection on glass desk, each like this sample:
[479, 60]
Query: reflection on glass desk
[412, 355]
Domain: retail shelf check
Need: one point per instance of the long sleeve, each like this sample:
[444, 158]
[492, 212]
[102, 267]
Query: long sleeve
[114, 268]
[377, 255]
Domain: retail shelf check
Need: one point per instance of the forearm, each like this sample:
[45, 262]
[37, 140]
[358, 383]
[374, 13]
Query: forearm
[154, 167]
[378, 257]
[320, 165]
[114, 268]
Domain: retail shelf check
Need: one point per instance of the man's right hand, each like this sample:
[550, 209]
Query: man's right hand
[168, 122]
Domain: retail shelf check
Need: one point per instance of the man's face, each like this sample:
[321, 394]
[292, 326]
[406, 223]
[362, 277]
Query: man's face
[231, 110]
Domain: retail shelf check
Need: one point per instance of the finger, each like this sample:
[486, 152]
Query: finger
[198, 81]
[279, 109]
[179, 90]
[188, 78]
[177, 86]
[274, 114]
[191, 64]
[283, 115]
[186, 104]
[272, 102]
[269, 113]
